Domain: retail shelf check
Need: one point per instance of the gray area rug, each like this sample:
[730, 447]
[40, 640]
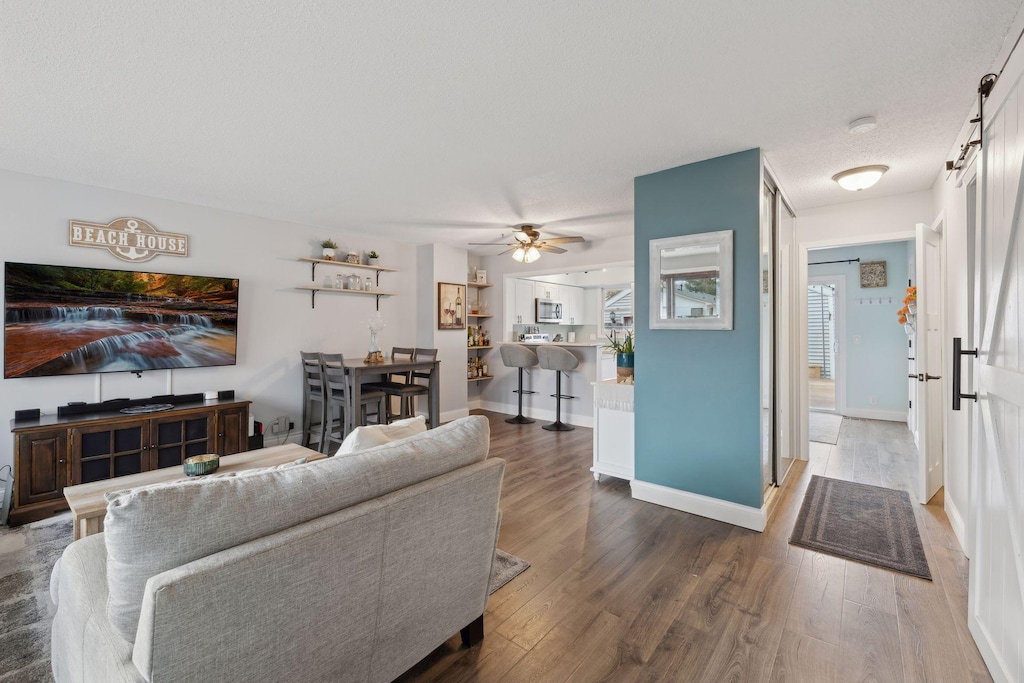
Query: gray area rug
[27, 556]
[869, 524]
[824, 427]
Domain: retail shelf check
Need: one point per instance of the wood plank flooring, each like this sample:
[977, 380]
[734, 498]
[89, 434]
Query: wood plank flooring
[621, 590]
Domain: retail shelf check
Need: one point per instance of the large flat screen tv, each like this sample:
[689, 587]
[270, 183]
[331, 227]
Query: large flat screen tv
[60, 320]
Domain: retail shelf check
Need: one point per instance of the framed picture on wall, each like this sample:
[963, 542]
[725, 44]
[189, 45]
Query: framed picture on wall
[451, 306]
[872, 274]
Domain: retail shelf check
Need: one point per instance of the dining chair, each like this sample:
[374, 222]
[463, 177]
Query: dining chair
[313, 403]
[338, 397]
[419, 354]
[399, 384]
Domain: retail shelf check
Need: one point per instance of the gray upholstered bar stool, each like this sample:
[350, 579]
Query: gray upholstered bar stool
[516, 356]
[560, 360]
[313, 404]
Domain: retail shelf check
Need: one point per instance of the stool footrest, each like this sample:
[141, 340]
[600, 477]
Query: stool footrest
[560, 396]
[524, 391]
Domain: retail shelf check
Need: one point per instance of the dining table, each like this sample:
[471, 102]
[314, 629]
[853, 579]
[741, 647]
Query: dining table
[358, 370]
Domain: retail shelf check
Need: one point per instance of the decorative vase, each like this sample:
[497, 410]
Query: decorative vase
[624, 368]
[328, 254]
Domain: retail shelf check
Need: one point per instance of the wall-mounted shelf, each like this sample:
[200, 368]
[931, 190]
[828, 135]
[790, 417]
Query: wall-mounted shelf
[488, 346]
[479, 315]
[334, 290]
[480, 285]
[480, 379]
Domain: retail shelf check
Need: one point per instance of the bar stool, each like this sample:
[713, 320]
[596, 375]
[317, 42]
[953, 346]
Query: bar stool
[313, 404]
[560, 360]
[516, 356]
[338, 397]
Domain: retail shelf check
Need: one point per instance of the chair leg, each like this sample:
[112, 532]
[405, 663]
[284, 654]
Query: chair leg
[558, 425]
[474, 632]
[520, 419]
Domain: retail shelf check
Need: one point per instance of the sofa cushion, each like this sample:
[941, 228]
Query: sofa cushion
[364, 438]
[152, 529]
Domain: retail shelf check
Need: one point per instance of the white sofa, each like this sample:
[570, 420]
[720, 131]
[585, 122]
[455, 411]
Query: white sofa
[351, 568]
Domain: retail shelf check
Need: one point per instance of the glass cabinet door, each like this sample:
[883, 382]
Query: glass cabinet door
[177, 438]
[102, 452]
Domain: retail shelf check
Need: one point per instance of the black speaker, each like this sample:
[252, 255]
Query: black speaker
[226, 395]
[30, 414]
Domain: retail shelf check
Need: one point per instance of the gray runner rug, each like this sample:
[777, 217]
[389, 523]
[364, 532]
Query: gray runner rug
[27, 556]
[869, 524]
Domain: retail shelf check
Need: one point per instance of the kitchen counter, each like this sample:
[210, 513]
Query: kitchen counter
[568, 344]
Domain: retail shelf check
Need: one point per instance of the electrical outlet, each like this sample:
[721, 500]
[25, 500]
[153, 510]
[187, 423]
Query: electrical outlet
[280, 425]
[873, 400]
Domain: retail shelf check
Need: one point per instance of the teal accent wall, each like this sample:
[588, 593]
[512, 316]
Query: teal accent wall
[875, 343]
[697, 415]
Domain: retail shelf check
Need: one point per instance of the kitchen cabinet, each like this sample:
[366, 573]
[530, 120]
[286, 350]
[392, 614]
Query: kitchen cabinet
[573, 311]
[525, 307]
[53, 451]
[547, 290]
[613, 430]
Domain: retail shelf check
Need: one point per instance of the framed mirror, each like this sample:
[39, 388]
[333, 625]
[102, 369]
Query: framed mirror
[691, 282]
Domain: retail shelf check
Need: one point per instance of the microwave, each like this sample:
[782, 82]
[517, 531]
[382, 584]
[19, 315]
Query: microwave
[549, 311]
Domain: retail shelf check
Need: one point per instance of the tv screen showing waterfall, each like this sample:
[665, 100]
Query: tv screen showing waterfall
[60, 320]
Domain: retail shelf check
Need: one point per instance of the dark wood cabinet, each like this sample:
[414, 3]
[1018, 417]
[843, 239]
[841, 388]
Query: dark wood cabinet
[54, 452]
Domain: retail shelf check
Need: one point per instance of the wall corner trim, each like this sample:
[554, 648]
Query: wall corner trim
[694, 503]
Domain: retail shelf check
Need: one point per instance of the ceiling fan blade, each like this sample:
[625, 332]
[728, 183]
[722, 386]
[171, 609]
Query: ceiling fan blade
[508, 251]
[564, 240]
[553, 250]
[490, 244]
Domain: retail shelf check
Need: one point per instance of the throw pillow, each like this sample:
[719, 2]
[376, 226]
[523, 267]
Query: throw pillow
[363, 438]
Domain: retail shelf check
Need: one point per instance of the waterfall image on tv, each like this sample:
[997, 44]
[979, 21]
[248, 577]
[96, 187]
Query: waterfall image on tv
[60, 320]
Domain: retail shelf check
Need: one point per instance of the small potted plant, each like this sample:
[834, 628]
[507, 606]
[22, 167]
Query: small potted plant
[372, 258]
[623, 357]
[329, 246]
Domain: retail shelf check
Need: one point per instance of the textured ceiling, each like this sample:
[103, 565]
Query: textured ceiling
[445, 120]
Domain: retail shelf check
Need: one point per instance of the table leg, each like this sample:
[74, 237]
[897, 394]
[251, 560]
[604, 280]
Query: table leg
[76, 529]
[434, 396]
[92, 525]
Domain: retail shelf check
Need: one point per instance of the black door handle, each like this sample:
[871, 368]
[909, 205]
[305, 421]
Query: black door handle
[928, 377]
[958, 354]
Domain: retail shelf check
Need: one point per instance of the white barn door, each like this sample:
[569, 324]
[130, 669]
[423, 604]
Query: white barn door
[996, 596]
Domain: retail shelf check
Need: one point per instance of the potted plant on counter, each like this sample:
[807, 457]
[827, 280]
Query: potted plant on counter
[372, 258]
[623, 356]
[329, 246]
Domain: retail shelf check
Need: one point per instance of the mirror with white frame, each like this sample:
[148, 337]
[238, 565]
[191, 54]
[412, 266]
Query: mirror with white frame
[691, 282]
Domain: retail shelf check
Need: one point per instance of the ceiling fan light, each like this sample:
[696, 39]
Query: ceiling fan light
[532, 254]
[521, 236]
[860, 178]
[519, 254]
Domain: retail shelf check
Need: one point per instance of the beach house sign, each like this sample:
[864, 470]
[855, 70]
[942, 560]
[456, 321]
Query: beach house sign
[129, 239]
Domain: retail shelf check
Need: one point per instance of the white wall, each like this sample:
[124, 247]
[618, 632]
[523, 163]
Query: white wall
[442, 263]
[275, 320]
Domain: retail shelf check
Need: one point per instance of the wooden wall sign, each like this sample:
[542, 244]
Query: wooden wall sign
[129, 239]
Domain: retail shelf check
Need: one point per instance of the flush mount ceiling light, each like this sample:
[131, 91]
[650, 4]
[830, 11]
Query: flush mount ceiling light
[860, 178]
[864, 124]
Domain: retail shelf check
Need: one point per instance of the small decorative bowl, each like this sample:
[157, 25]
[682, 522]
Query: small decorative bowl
[199, 465]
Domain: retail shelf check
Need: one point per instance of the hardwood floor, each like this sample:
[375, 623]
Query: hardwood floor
[621, 590]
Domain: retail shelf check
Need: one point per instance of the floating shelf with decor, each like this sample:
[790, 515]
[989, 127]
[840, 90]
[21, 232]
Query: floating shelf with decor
[476, 368]
[313, 289]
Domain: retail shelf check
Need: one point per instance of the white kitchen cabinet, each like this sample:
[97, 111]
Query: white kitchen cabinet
[548, 290]
[525, 310]
[613, 430]
[573, 311]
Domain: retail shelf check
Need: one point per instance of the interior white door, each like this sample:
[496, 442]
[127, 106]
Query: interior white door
[996, 594]
[929, 361]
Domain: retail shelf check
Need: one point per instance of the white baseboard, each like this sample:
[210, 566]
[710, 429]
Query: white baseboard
[872, 414]
[450, 415]
[694, 503]
[539, 414]
[956, 521]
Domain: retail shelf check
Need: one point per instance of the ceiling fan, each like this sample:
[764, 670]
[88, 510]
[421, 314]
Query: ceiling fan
[528, 243]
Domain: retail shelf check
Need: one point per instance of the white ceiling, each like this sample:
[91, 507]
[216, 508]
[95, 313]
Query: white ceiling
[445, 120]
